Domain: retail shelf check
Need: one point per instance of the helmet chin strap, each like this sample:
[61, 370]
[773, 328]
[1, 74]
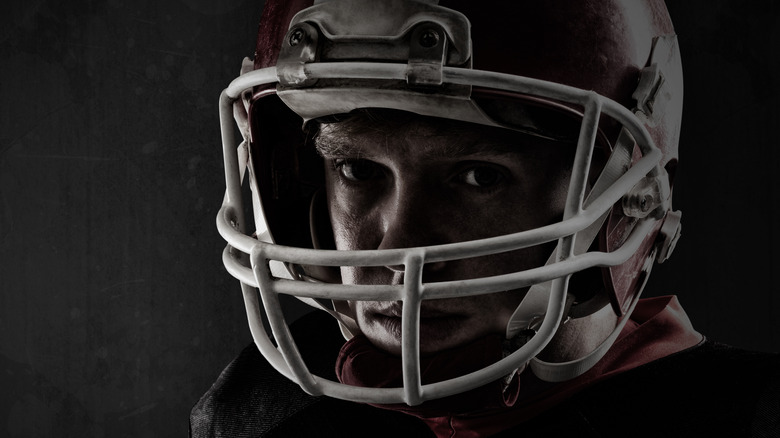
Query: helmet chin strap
[533, 307]
[562, 371]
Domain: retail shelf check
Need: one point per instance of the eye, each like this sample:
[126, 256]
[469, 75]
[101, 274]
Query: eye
[357, 170]
[482, 176]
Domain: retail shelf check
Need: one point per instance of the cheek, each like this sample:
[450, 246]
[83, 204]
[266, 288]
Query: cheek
[348, 228]
[500, 308]
[555, 196]
[348, 235]
[541, 201]
[554, 186]
[519, 211]
[500, 264]
[351, 231]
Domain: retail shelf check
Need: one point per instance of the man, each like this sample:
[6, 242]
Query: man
[473, 195]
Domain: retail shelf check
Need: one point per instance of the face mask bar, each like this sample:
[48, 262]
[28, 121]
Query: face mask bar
[578, 215]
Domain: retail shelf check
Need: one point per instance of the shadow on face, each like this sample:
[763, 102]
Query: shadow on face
[397, 180]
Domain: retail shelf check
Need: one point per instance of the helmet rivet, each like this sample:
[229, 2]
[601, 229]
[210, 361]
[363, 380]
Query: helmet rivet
[297, 37]
[647, 201]
[429, 38]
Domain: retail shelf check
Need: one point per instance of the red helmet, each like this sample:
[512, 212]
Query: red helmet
[604, 75]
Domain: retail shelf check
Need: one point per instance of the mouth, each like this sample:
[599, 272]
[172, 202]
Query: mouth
[436, 326]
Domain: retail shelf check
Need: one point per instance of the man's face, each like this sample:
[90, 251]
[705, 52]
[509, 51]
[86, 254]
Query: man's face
[421, 182]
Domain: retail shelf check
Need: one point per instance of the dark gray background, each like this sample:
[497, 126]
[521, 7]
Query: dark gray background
[115, 311]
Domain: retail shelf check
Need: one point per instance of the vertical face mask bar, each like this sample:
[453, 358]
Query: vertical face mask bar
[534, 304]
[580, 170]
[260, 336]
[582, 158]
[232, 171]
[410, 323]
[556, 303]
[281, 330]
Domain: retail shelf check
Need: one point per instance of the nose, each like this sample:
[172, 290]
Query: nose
[414, 216]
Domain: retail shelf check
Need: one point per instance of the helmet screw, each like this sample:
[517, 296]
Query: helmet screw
[647, 203]
[297, 37]
[429, 38]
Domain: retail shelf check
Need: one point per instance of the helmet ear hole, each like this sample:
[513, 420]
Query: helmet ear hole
[590, 296]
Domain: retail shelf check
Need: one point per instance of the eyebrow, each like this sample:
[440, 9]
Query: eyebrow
[524, 145]
[336, 148]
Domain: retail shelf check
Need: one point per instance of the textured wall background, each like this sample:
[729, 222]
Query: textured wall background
[115, 312]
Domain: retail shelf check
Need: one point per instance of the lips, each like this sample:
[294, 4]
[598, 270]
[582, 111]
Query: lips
[395, 310]
[436, 326]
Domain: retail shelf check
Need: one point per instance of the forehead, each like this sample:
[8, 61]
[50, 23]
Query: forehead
[367, 132]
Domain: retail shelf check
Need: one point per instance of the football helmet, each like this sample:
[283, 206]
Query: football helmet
[603, 74]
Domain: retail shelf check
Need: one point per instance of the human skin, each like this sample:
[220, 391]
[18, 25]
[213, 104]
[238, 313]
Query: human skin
[421, 182]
